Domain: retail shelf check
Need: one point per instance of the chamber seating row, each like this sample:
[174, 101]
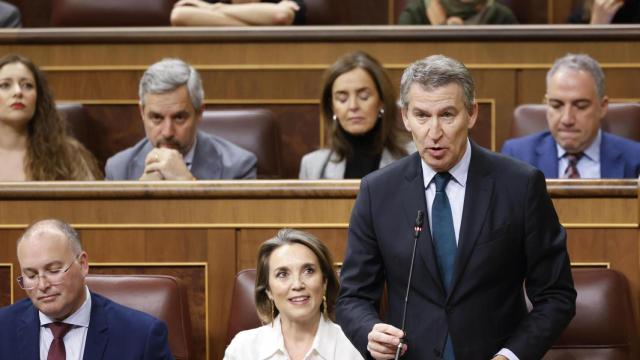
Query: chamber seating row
[258, 130]
[319, 12]
[253, 129]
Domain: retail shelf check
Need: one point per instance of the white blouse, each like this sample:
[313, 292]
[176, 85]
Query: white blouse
[266, 342]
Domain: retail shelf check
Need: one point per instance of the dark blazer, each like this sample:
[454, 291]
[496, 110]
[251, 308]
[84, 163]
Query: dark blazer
[619, 157]
[509, 233]
[115, 332]
[213, 158]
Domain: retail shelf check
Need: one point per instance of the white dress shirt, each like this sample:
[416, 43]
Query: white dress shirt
[455, 189]
[588, 165]
[75, 339]
[267, 342]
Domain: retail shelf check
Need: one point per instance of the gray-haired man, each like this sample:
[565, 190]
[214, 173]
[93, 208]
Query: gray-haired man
[171, 106]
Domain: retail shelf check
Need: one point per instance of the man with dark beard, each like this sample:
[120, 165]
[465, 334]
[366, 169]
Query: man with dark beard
[171, 106]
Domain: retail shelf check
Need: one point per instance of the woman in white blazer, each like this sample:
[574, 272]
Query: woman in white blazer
[359, 112]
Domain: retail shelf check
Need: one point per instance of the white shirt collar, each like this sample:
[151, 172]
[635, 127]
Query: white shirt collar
[274, 341]
[592, 151]
[459, 171]
[80, 318]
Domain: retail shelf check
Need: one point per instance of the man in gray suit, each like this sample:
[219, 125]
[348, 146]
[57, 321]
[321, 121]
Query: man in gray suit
[171, 106]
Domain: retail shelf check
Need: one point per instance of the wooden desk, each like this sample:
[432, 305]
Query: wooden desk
[204, 232]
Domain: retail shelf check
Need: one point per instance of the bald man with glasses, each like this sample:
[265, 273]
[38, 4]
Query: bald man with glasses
[62, 319]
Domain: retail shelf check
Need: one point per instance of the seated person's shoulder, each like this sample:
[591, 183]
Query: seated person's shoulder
[414, 13]
[247, 341]
[237, 162]
[116, 166]
[13, 310]
[623, 140]
[135, 320]
[628, 147]
[312, 163]
[502, 15]
[319, 155]
[525, 143]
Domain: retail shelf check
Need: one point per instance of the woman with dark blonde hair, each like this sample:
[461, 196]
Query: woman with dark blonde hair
[34, 144]
[295, 292]
[358, 108]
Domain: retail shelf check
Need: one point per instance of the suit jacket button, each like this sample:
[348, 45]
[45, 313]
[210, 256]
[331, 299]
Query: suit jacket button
[449, 309]
[436, 353]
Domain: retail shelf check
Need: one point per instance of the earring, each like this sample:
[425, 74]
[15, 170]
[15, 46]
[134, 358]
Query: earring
[381, 113]
[325, 310]
[334, 117]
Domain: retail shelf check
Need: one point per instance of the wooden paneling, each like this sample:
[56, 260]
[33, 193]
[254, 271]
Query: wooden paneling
[249, 241]
[7, 282]
[222, 223]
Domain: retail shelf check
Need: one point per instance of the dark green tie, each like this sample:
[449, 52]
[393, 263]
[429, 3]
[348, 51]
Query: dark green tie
[444, 238]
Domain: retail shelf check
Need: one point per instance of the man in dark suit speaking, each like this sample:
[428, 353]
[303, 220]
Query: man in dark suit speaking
[491, 228]
[62, 319]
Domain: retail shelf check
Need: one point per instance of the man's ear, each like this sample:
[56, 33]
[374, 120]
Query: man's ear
[405, 119]
[473, 115]
[83, 259]
[604, 107]
[141, 108]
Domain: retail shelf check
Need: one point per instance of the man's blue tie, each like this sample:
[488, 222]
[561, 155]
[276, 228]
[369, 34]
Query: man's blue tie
[444, 238]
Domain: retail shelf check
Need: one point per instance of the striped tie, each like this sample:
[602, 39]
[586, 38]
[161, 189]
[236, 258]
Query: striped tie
[571, 172]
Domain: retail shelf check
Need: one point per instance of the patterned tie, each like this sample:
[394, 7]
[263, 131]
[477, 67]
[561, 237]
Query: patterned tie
[444, 238]
[56, 350]
[571, 172]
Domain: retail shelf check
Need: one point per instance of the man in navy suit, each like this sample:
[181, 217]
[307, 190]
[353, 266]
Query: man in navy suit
[491, 230]
[53, 270]
[575, 146]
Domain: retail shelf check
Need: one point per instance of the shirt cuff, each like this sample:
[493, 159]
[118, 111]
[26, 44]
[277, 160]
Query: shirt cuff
[506, 352]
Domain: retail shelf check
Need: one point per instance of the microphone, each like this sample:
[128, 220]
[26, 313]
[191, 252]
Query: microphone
[416, 233]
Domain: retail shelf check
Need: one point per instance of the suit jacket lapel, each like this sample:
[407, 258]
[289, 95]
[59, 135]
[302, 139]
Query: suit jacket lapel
[207, 162]
[611, 161]
[547, 153]
[136, 167]
[477, 201]
[98, 332]
[414, 200]
[28, 333]
[334, 169]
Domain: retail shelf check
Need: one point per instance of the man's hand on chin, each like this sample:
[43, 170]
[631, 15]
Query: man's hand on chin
[165, 164]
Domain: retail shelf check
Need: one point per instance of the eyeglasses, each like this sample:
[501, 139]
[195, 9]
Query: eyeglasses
[54, 277]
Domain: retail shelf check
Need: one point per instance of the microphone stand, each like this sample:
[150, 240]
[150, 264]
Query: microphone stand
[416, 233]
